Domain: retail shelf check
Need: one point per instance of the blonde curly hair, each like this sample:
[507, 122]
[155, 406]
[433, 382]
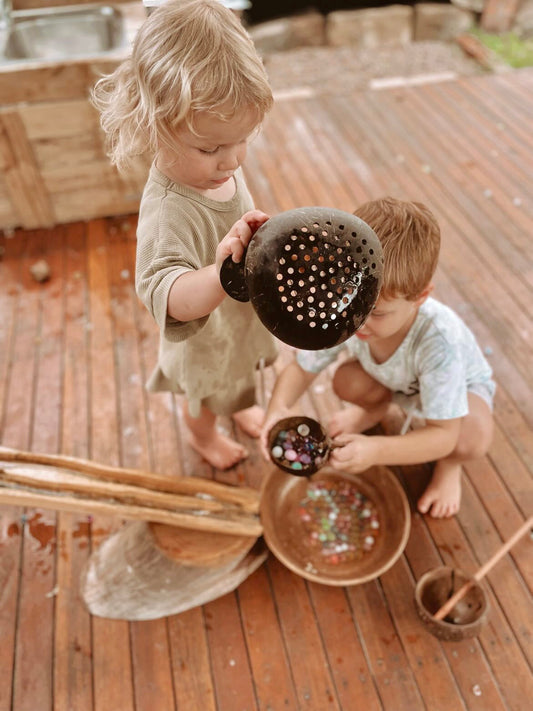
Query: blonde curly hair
[189, 56]
[410, 237]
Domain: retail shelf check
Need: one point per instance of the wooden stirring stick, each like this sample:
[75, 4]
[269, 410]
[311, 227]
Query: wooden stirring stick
[454, 599]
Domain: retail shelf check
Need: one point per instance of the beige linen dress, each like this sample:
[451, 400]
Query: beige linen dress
[211, 360]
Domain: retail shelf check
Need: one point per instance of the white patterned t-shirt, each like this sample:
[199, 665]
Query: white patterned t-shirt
[433, 369]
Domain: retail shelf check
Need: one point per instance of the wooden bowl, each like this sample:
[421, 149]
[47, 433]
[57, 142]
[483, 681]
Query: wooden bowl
[288, 538]
[465, 619]
[199, 548]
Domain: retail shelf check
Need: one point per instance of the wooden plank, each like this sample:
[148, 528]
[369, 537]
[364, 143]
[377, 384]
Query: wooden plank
[10, 551]
[72, 674]
[72, 633]
[313, 680]
[152, 670]
[37, 603]
[20, 366]
[8, 214]
[345, 649]
[511, 429]
[191, 668]
[498, 642]
[266, 650]
[504, 297]
[22, 174]
[469, 262]
[11, 526]
[392, 674]
[493, 172]
[133, 434]
[498, 503]
[49, 82]
[230, 665]
[112, 672]
[33, 663]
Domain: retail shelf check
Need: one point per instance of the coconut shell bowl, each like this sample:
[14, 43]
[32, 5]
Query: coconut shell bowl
[466, 618]
[453, 605]
[335, 528]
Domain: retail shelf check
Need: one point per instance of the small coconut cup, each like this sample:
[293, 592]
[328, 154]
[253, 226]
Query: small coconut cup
[319, 443]
[465, 619]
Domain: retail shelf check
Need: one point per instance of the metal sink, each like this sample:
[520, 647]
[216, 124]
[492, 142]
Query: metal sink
[61, 32]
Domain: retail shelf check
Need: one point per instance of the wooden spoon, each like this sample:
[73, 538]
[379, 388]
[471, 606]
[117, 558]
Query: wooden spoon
[454, 599]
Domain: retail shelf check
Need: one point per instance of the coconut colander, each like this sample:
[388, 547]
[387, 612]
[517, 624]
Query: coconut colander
[312, 274]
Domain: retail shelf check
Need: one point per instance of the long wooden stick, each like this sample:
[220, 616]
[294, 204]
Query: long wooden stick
[244, 497]
[24, 484]
[454, 599]
[79, 485]
[185, 519]
[41, 476]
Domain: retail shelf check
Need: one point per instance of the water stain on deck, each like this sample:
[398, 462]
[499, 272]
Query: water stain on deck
[42, 532]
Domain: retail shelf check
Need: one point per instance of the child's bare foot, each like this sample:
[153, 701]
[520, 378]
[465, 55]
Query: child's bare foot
[250, 420]
[218, 450]
[442, 496]
[355, 419]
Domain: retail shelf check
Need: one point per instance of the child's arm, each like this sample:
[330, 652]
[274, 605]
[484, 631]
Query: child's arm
[291, 384]
[196, 293]
[434, 441]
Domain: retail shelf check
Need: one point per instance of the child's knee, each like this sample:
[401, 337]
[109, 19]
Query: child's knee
[477, 431]
[352, 384]
[348, 383]
[341, 380]
[474, 446]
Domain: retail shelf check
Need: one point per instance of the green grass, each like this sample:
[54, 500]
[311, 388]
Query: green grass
[509, 47]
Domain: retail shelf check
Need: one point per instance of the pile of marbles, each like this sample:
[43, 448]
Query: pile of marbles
[340, 523]
[298, 449]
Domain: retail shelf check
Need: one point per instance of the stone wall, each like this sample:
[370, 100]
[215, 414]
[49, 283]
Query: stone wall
[366, 28]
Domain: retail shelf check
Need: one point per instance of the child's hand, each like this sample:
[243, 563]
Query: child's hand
[356, 453]
[270, 420]
[237, 239]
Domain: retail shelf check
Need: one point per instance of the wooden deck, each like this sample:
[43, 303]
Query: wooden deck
[76, 350]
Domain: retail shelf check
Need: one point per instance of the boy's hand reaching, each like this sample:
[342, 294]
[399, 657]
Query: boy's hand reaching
[354, 453]
[239, 236]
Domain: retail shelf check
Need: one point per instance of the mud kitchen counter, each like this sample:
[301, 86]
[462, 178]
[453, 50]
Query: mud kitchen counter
[53, 167]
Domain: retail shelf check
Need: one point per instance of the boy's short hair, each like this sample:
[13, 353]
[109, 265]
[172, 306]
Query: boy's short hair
[410, 238]
[188, 56]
